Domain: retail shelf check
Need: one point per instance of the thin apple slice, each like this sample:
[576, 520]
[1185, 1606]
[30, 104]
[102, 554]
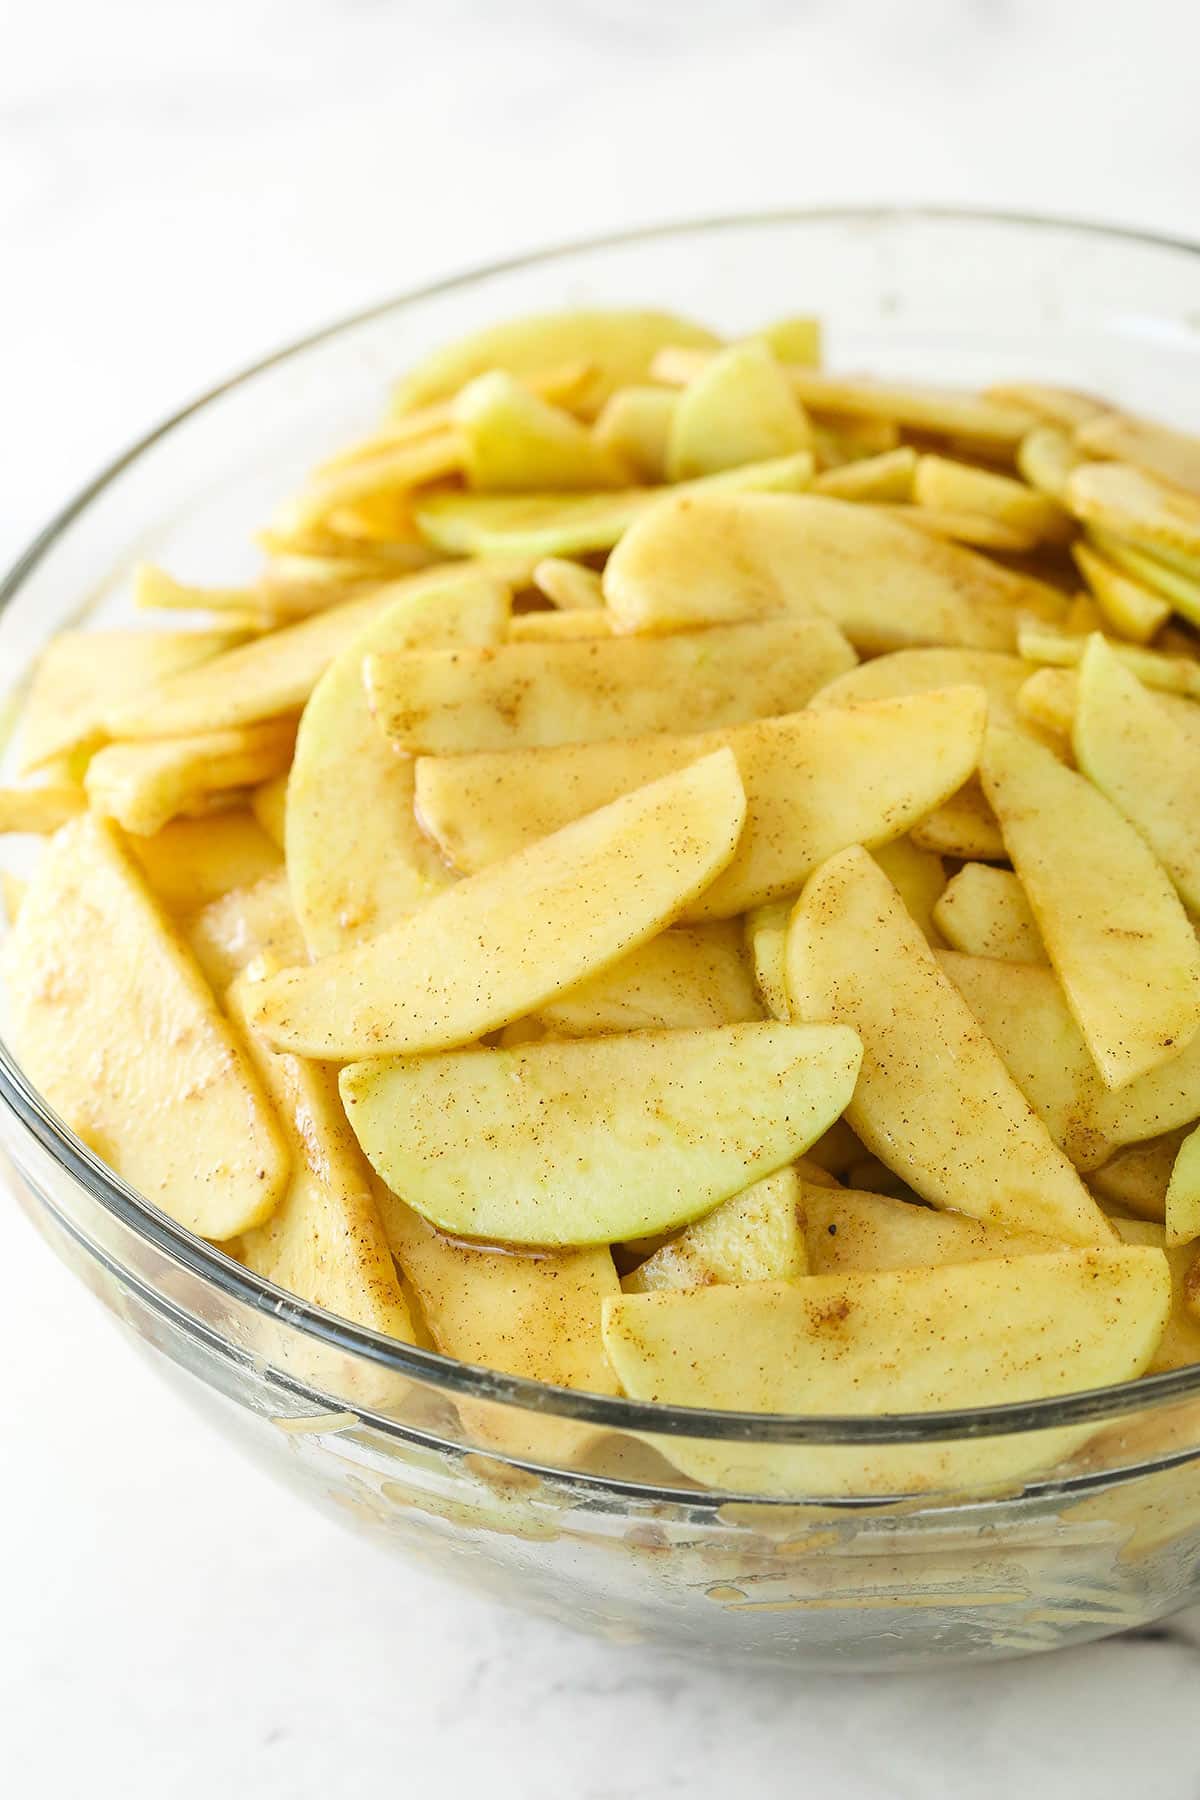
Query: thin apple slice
[233, 930]
[966, 1335]
[597, 1140]
[538, 525]
[1181, 1214]
[1129, 607]
[618, 344]
[1113, 928]
[635, 424]
[739, 409]
[766, 940]
[704, 558]
[572, 586]
[815, 782]
[357, 860]
[277, 673]
[1046, 458]
[520, 695]
[922, 671]
[1176, 578]
[1023, 1010]
[845, 1230]
[515, 442]
[325, 1241]
[879, 480]
[964, 826]
[1128, 746]
[1132, 503]
[82, 675]
[497, 947]
[757, 1235]
[856, 957]
[681, 980]
[1174, 456]
[1136, 1179]
[144, 785]
[558, 627]
[115, 1024]
[984, 912]
[1156, 668]
[940, 481]
[1065, 407]
[40, 810]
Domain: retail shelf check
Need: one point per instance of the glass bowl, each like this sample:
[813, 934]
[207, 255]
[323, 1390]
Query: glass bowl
[566, 1503]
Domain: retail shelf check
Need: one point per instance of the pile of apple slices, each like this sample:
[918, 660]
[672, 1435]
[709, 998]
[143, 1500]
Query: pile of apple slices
[664, 885]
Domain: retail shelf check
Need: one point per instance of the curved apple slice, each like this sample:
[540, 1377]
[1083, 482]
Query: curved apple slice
[967, 1335]
[498, 946]
[597, 1140]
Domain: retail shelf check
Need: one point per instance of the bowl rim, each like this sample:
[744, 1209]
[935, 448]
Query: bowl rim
[233, 1281]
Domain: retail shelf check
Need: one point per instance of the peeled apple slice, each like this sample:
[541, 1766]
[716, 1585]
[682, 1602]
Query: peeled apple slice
[497, 947]
[597, 1140]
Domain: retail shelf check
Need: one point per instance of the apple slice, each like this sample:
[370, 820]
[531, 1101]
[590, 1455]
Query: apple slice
[1181, 1213]
[144, 785]
[635, 424]
[1128, 606]
[739, 409]
[849, 1230]
[1129, 746]
[1046, 458]
[569, 585]
[1172, 455]
[1023, 1010]
[757, 1235]
[618, 344]
[497, 947]
[325, 1241]
[856, 957]
[192, 861]
[116, 1026]
[984, 912]
[883, 479]
[276, 673]
[967, 1335]
[704, 558]
[233, 930]
[1113, 928]
[814, 783]
[357, 860]
[923, 671]
[521, 695]
[599, 1140]
[513, 441]
[682, 979]
[1134, 504]
[82, 675]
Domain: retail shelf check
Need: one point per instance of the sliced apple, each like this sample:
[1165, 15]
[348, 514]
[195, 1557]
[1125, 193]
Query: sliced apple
[766, 940]
[704, 558]
[145, 785]
[1129, 607]
[192, 861]
[537, 525]
[599, 1140]
[1135, 504]
[635, 425]
[497, 947]
[739, 409]
[964, 826]
[1023, 1010]
[569, 585]
[558, 627]
[681, 980]
[114, 1023]
[277, 673]
[618, 344]
[515, 442]
[40, 810]
[940, 481]
[449, 701]
[1113, 928]
[920, 671]
[1175, 578]
[846, 1230]
[757, 1235]
[1155, 668]
[1136, 1179]
[1182, 1208]
[967, 1335]
[1174, 456]
[1046, 458]
[357, 860]
[1065, 407]
[876, 480]
[814, 783]
[325, 1241]
[1179, 1345]
[856, 957]
[1129, 746]
[82, 675]
[984, 912]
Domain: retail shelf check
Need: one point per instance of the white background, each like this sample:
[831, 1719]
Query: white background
[181, 187]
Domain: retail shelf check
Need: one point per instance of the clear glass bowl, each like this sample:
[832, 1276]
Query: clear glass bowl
[561, 1502]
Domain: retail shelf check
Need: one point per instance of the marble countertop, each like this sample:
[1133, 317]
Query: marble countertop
[182, 187]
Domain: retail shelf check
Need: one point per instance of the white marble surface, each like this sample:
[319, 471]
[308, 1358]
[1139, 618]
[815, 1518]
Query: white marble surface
[181, 186]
